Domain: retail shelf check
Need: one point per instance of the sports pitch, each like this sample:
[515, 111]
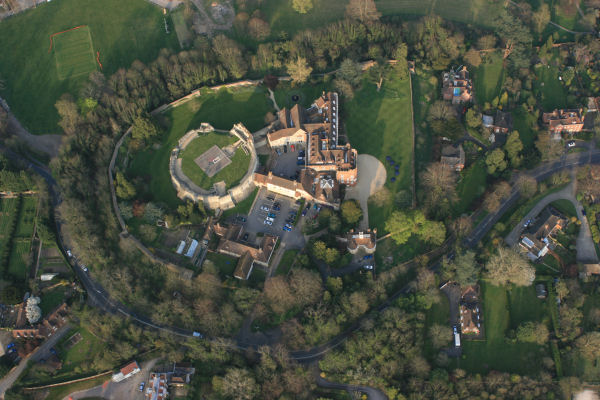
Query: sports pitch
[74, 53]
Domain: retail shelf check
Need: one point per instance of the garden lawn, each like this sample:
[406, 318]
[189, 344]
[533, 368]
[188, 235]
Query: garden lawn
[222, 109]
[18, 264]
[8, 216]
[81, 353]
[565, 207]
[122, 31]
[51, 299]
[525, 122]
[307, 94]
[26, 217]
[241, 208]
[380, 124]
[59, 392]
[470, 187]
[553, 94]
[226, 264]
[439, 313]
[231, 174]
[424, 90]
[501, 312]
[488, 78]
[286, 262]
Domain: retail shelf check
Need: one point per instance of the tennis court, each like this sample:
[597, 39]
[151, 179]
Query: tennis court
[74, 53]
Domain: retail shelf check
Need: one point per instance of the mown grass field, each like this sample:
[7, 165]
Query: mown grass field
[549, 90]
[123, 31]
[26, 217]
[18, 264]
[283, 18]
[488, 78]
[74, 53]
[231, 174]
[503, 310]
[222, 109]
[380, 124]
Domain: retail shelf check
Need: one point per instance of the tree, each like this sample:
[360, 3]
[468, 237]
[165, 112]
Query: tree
[508, 266]
[377, 73]
[237, 384]
[302, 6]
[439, 184]
[258, 28]
[362, 10]
[516, 37]
[299, 70]
[305, 285]
[541, 18]
[403, 225]
[440, 110]
[569, 322]
[344, 87]
[561, 289]
[32, 311]
[473, 58]
[123, 188]
[144, 129]
[440, 335]
[589, 345]
[495, 161]
[473, 119]
[350, 71]
[278, 294]
[527, 186]
[351, 211]
[547, 146]
[464, 269]
[230, 55]
[531, 332]
[400, 55]
[513, 148]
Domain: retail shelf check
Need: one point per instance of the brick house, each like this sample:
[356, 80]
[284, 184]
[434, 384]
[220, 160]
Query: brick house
[563, 121]
[457, 86]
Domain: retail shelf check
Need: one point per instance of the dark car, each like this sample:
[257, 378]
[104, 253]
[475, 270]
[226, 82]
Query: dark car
[241, 219]
[304, 212]
[272, 215]
[285, 148]
[301, 153]
[245, 238]
[53, 350]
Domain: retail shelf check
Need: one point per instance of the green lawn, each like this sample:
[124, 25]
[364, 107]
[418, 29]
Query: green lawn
[525, 123]
[552, 93]
[565, 207]
[503, 310]
[286, 262]
[488, 78]
[8, 216]
[425, 89]
[81, 353]
[243, 207]
[18, 264]
[471, 186]
[181, 29]
[26, 217]
[59, 392]
[224, 263]
[439, 313]
[222, 109]
[74, 53]
[380, 124]
[231, 174]
[122, 31]
[283, 18]
[307, 94]
[52, 299]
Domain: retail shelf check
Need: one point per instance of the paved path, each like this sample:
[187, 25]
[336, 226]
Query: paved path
[168, 4]
[42, 352]
[127, 389]
[272, 97]
[372, 393]
[371, 177]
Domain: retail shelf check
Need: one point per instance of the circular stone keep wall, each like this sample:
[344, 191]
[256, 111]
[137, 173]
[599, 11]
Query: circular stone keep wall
[188, 190]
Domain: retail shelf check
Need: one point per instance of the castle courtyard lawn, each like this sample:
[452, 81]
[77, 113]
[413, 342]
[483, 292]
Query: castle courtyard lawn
[222, 109]
[122, 31]
[231, 174]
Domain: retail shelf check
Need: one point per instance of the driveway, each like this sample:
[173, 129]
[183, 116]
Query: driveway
[371, 178]
[127, 389]
[586, 251]
[42, 352]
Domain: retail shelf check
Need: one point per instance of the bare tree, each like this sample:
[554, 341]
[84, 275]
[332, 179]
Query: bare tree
[299, 70]
[439, 184]
[363, 10]
[508, 266]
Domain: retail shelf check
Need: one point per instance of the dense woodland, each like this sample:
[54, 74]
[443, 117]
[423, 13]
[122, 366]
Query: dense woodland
[388, 352]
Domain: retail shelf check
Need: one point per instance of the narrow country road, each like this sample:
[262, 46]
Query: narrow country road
[372, 393]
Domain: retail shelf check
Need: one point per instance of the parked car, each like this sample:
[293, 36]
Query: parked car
[285, 148]
[198, 335]
[84, 268]
[293, 148]
[271, 198]
[267, 222]
[276, 207]
[368, 267]
[241, 219]
[10, 345]
[287, 228]
[272, 215]
[245, 238]
[264, 207]
[142, 386]
[301, 153]
[368, 257]
[270, 219]
[304, 212]
[571, 143]
[69, 253]
[454, 329]
[278, 152]
[53, 350]
[300, 162]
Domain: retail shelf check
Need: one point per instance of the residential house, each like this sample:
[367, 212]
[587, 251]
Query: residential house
[499, 126]
[365, 241]
[563, 121]
[593, 104]
[457, 86]
[126, 372]
[158, 387]
[470, 311]
[249, 255]
[43, 329]
[316, 130]
[453, 156]
[538, 239]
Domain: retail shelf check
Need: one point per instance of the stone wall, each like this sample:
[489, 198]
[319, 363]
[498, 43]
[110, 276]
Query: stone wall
[187, 190]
